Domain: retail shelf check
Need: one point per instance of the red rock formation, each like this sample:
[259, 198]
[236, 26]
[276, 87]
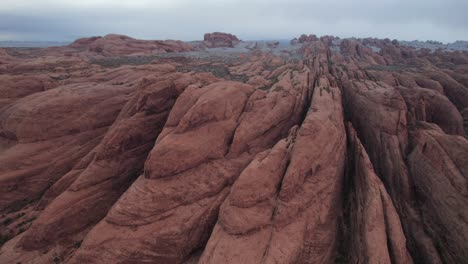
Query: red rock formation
[110, 167]
[377, 235]
[293, 216]
[15, 87]
[44, 126]
[384, 133]
[430, 106]
[214, 157]
[219, 39]
[119, 45]
[304, 38]
[438, 163]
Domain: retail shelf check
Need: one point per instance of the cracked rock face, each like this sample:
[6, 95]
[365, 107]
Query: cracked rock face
[324, 151]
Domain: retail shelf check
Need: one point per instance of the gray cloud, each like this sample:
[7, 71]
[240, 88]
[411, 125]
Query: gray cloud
[188, 20]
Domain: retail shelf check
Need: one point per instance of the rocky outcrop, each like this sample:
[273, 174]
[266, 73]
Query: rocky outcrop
[375, 234]
[196, 168]
[386, 142]
[107, 171]
[430, 106]
[293, 216]
[233, 155]
[304, 38]
[74, 116]
[438, 163]
[15, 87]
[219, 39]
[120, 45]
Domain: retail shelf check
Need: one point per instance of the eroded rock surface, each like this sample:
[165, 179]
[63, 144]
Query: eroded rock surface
[375, 233]
[118, 150]
[283, 206]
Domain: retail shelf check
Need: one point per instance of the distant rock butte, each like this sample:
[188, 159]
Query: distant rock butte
[119, 45]
[304, 38]
[219, 39]
[118, 150]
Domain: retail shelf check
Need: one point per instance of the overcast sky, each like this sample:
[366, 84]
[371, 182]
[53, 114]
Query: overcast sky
[66, 20]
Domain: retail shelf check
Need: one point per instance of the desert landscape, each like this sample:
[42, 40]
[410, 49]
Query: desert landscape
[313, 150]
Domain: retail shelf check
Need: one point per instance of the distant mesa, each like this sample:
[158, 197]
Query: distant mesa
[120, 45]
[220, 39]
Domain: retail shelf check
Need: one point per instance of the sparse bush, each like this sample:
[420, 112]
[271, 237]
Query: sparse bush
[340, 259]
[278, 88]
[4, 239]
[7, 221]
[77, 244]
[434, 42]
